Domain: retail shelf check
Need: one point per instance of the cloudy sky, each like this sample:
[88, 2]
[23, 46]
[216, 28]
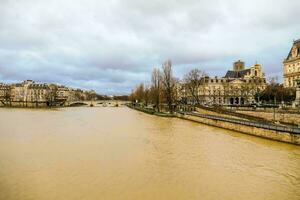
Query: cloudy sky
[111, 45]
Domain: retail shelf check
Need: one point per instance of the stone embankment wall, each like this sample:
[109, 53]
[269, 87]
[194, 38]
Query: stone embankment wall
[282, 136]
[151, 111]
[282, 117]
[23, 104]
[251, 130]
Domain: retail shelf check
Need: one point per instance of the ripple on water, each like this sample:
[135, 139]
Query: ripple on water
[118, 153]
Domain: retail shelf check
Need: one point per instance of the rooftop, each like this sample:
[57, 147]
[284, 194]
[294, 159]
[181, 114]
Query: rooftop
[297, 45]
[38, 86]
[236, 74]
[296, 41]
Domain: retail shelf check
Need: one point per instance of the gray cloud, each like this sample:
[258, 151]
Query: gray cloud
[110, 46]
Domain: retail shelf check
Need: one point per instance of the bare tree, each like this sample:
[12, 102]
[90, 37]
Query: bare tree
[140, 92]
[193, 80]
[169, 84]
[132, 96]
[226, 91]
[273, 80]
[146, 95]
[79, 95]
[52, 94]
[156, 87]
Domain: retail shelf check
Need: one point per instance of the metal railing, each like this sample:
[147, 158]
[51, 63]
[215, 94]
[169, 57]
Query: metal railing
[247, 123]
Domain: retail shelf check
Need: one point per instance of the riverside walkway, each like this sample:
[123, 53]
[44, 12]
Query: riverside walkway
[271, 131]
[247, 123]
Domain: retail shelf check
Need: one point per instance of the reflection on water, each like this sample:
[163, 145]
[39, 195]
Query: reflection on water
[118, 153]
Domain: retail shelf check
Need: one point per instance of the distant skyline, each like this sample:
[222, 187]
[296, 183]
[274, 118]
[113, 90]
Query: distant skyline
[111, 46]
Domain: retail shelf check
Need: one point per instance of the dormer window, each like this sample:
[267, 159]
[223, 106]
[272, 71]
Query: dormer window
[294, 52]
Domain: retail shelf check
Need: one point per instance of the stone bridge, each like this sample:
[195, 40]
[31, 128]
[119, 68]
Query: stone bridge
[99, 103]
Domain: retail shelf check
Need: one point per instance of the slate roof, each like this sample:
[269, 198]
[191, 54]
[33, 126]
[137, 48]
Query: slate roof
[236, 74]
[297, 44]
[38, 86]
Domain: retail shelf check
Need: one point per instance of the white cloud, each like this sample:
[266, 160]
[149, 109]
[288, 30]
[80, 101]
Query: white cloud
[112, 45]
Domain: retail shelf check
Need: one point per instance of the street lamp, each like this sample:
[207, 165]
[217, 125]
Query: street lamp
[297, 100]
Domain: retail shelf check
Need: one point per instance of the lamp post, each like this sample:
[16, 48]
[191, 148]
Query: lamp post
[297, 100]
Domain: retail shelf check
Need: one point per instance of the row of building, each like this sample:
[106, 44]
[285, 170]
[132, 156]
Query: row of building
[291, 66]
[241, 85]
[237, 87]
[41, 93]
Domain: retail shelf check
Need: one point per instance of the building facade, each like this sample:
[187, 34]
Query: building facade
[5, 92]
[29, 93]
[63, 92]
[238, 87]
[291, 66]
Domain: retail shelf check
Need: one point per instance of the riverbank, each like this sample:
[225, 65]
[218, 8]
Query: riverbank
[41, 105]
[272, 132]
[151, 111]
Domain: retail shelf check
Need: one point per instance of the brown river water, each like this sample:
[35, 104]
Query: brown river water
[119, 153]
